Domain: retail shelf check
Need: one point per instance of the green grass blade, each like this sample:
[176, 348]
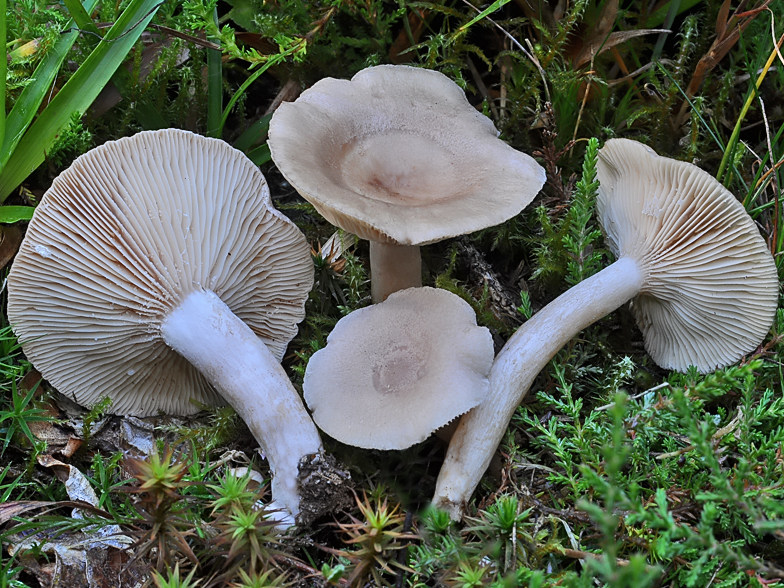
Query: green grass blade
[81, 16]
[751, 95]
[259, 155]
[272, 60]
[3, 69]
[14, 214]
[253, 133]
[214, 89]
[77, 94]
[498, 4]
[33, 95]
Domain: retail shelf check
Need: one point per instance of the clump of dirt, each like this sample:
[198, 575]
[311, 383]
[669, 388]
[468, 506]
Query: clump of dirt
[324, 486]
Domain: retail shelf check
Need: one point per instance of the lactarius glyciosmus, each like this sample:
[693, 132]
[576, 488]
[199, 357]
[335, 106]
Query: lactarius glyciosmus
[702, 282]
[155, 272]
[398, 156]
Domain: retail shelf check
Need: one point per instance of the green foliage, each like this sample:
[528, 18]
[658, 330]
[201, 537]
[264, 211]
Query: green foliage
[677, 485]
[567, 247]
[626, 461]
[580, 238]
[374, 538]
[173, 579]
[27, 137]
[72, 140]
[92, 416]
[163, 525]
[16, 419]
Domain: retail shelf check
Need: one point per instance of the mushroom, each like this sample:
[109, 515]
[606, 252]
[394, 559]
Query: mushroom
[155, 271]
[703, 284]
[399, 157]
[394, 372]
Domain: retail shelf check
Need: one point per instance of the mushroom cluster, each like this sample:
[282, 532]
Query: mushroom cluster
[157, 272]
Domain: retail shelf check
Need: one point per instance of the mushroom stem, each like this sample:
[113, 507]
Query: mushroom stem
[514, 369]
[205, 331]
[392, 268]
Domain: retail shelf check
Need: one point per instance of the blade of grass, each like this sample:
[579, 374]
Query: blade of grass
[253, 133]
[77, 94]
[29, 101]
[14, 214]
[272, 60]
[81, 17]
[671, 14]
[214, 88]
[658, 17]
[260, 155]
[741, 117]
[489, 10]
[3, 69]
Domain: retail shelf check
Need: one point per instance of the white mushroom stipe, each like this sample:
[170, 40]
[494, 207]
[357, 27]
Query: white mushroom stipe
[250, 378]
[397, 155]
[395, 267]
[706, 291]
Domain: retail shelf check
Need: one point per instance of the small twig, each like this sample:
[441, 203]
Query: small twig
[725, 430]
[402, 555]
[589, 73]
[481, 87]
[303, 567]
[638, 71]
[774, 181]
[636, 396]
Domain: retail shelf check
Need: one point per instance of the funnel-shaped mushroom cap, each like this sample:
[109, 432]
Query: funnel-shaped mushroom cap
[710, 287]
[121, 238]
[394, 372]
[398, 155]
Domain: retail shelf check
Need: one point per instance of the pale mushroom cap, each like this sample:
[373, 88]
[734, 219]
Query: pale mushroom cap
[711, 286]
[394, 372]
[121, 237]
[399, 155]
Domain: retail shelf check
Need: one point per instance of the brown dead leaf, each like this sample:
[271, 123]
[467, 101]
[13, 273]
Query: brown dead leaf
[60, 469]
[59, 440]
[10, 239]
[263, 45]
[9, 510]
[728, 30]
[600, 44]
[722, 18]
[71, 447]
[606, 21]
[416, 23]
[31, 380]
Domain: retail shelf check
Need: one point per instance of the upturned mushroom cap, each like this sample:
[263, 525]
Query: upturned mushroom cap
[394, 372]
[399, 155]
[121, 238]
[710, 287]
